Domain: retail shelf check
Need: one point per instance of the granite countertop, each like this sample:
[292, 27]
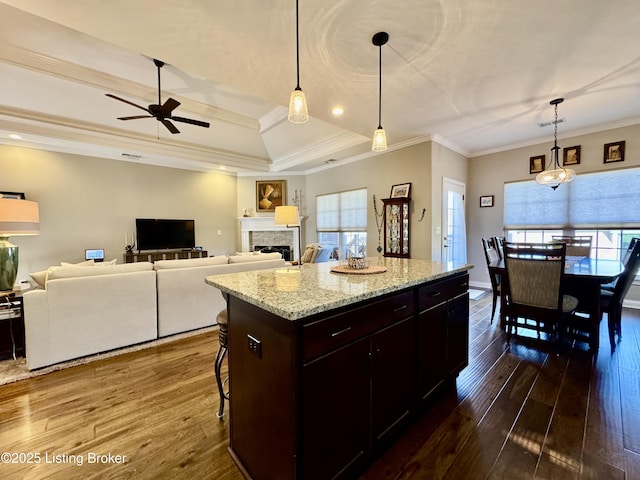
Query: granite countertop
[298, 292]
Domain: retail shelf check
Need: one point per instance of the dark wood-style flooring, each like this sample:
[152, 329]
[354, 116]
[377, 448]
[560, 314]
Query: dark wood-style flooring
[518, 413]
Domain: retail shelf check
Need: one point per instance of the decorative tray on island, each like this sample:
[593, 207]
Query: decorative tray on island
[359, 271]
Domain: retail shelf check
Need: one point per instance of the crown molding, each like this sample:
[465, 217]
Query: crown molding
[79, 74]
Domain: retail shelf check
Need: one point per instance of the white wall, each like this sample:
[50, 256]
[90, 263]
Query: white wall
[378, 174]
[90, 203]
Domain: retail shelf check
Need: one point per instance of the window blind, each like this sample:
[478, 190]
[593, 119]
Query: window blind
[610, 199]
[344, 211]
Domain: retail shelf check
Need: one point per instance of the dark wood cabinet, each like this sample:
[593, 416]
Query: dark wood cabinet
[335, 412]
[320, 397]
[442, 333]
[163, 255]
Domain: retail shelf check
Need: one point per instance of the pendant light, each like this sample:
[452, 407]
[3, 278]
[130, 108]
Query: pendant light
[379, 137]
[298, 103]
[555, 175]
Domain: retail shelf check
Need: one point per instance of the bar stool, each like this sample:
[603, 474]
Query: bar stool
[221, 318]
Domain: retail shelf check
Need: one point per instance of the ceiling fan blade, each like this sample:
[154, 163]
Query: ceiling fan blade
[135, 117]
[168, 107]
[191, 121]
[127, 101]
[170, 126]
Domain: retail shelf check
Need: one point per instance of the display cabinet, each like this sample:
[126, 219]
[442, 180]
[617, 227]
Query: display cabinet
[396, 227]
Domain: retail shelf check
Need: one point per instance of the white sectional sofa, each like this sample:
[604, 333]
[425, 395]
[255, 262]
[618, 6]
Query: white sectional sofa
[86, 309]
[185, 301]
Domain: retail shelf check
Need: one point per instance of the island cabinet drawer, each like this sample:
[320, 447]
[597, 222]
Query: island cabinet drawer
[330, 333]
[435, 293]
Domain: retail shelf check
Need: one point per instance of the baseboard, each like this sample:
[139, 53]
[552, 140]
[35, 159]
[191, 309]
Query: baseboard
[480, 285]
[635, 304]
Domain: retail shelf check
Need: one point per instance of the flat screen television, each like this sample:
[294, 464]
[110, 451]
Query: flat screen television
[160, 234]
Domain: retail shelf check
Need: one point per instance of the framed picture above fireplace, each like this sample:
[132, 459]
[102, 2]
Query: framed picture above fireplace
[270, 194]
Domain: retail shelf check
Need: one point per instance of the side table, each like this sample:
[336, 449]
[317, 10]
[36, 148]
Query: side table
[12, 316]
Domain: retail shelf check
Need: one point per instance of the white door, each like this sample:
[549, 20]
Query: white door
[454, 232]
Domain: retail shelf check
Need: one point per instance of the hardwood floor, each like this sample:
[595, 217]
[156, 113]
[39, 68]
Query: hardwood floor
[518, 413]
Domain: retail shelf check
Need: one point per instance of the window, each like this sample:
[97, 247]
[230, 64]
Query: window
[603, 205]
[610, 244]
[342, 220]
[592, 201]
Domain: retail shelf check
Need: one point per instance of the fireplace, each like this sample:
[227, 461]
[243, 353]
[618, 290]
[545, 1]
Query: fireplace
[258, 232]
[285, 250]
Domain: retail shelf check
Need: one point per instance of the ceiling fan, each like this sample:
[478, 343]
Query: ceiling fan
[161, 111]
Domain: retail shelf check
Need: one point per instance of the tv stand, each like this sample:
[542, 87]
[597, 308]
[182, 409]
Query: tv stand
[163, 255]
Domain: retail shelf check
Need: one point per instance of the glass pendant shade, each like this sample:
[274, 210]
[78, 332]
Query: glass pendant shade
[379, 140]
[379, 143]
[555, 175]
[298, 107]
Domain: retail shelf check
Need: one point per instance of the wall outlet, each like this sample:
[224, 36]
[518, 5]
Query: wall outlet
[255, 346]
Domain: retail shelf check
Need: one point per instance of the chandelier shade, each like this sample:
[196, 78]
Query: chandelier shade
[555, 175]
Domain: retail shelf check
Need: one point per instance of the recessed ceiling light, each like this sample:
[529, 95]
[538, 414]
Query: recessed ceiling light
[337, 111]
[15, 136]
[222, 167]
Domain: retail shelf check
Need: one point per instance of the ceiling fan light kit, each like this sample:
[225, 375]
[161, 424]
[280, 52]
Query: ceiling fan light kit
[379, 136]
[161, 112]
[555, 175]
[297, 102]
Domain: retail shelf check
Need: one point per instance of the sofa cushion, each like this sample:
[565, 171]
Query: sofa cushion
[82, 271]
[40, 278]
[254, 258]
[191, 262]
[86, 262]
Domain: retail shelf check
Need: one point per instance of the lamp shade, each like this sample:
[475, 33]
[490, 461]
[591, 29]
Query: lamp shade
[18, 217]
[286, 215]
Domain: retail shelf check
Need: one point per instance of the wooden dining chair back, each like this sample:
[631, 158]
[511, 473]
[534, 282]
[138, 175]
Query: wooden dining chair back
[533, 287]
[611, 302]
[576, 246]
[500, 245]
[492, 254]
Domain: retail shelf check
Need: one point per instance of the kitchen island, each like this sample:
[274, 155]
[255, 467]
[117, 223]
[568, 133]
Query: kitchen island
[326, 368]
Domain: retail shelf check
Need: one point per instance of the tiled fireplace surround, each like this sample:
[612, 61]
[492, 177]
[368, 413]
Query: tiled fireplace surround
[262, 231]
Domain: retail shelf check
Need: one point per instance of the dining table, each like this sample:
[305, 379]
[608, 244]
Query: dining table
[583, 279]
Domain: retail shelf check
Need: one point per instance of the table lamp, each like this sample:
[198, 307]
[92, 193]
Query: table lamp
[17, 217]
[288, 215]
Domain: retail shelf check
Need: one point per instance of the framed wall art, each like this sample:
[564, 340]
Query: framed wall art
[536, 164]
[402, 190]
[486, 201]
[614, 152]
[270, 194]
[571, 155]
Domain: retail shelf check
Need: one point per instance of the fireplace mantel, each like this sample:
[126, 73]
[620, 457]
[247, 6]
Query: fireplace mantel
[265, 224]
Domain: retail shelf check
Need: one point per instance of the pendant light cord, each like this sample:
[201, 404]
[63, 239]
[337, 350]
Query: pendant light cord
[380, 89]
[297, 50]
[555, 139]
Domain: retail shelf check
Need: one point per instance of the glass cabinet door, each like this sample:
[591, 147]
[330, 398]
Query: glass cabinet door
[396, 227]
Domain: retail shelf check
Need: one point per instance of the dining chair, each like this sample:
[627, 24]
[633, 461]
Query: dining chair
[492, 254]
[500, 245]
[576, 246]
[611, 301]
[625, 259]
[533, 287]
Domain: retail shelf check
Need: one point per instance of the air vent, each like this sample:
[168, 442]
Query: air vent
[131, 155]
[331, 160]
